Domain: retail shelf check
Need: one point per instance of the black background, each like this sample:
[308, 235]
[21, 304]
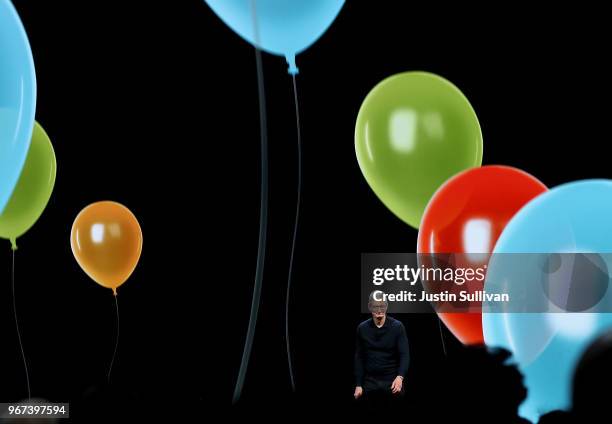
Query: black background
[154, 105]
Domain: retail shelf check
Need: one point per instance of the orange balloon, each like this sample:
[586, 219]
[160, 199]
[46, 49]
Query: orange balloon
[106, 241]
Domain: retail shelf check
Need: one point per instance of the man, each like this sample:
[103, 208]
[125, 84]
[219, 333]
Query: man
[381, 355]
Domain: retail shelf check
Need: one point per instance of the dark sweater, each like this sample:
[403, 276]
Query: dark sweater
[381, 353]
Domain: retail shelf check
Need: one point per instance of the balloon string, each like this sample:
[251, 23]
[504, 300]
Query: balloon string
[295, 231]
[442, 335]
[25, 363]
[110, 368]
[263, 220]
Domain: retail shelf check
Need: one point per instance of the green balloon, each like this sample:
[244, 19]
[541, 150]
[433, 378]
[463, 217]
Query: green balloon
[33, 190]
[414, 131]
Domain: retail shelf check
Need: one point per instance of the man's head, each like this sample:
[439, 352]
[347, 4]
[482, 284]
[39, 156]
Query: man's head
[378, 308]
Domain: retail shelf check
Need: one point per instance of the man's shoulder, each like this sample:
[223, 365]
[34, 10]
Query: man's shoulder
[394, 322]
[364, 324]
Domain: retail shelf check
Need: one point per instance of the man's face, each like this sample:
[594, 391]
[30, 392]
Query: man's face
[378, 309]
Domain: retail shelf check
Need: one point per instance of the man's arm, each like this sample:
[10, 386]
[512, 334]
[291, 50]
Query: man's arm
[403, 352]
[404, 360]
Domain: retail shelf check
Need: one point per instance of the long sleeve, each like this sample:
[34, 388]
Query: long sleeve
[359, 368]
[403, 352]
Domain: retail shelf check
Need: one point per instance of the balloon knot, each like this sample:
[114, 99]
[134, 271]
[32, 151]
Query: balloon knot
[293, 69]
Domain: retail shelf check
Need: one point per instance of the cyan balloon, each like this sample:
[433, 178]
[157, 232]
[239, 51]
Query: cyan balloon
[17, 99]
[280, 27]
[571, 218]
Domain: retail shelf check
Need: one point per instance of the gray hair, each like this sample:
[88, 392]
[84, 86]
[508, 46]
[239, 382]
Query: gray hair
[371, 298]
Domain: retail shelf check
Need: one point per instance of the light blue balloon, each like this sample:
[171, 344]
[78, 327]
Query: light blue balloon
[17, 99]
[280, 27]
[574, 217]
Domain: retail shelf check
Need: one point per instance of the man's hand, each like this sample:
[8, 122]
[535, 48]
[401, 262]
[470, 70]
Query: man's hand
[396, 386]
[358, 392]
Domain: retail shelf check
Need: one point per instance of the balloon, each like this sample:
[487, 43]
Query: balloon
[17, 99]
[280, 27]
[573, 217]
[106, 241]
[414, 131]
[33, 190]
[467, 215]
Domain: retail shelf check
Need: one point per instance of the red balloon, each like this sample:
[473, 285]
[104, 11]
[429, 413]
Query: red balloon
[467, 215]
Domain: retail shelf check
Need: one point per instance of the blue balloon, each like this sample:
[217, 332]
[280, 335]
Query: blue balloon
[17, 99]
[280, 27]
[571, 218]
